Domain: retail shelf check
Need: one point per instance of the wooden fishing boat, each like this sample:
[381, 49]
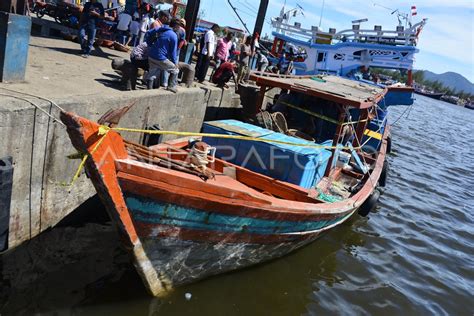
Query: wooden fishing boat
[469, 105]
[429, 94]
[186, 213]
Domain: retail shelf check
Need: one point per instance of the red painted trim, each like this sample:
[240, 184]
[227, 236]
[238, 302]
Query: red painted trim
[101, 167]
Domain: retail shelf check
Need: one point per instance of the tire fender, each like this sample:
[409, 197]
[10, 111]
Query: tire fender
[369, 204]
[384, 173]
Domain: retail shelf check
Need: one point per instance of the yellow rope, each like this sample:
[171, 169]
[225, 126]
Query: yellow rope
[103, 132]
[320, 116]
[246, 138]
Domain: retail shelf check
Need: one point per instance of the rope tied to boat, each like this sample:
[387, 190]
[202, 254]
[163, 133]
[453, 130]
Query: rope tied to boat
[103, 133]
[318, 115]
[104, 130]
[199, 156]
[237, 137]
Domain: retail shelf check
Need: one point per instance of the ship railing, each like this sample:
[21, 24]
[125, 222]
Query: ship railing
[400, 36]
[294, 31]
[381, 37]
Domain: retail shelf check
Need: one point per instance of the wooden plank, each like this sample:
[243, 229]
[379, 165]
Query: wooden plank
[333, 88]
[335, 141]
[222, 186]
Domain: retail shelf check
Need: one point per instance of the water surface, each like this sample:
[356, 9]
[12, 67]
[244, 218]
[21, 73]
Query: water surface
[414, 256]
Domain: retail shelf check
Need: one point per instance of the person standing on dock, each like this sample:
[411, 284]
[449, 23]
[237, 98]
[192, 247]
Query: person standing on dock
[207, 52]
[181, 36]
[144, 22]
[134, 29]
[124, 21]
[92, 12]
[223, 48]
[162, 54]
[262, 61]
[244, 60]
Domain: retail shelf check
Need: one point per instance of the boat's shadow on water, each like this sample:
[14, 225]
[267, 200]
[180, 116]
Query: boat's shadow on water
[82, 269]
[62, 267]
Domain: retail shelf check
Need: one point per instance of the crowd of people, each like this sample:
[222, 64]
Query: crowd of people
[156, 43]
[228, 63]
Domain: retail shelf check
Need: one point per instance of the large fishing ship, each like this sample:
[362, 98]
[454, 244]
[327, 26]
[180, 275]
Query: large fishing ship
[351, 52]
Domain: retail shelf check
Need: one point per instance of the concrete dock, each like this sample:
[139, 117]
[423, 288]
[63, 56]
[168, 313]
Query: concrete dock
[88, 87]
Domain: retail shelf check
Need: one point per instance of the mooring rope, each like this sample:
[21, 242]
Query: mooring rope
[35, 105]
[104, 130]
[103, 133]
[320, 116]
[35, 96]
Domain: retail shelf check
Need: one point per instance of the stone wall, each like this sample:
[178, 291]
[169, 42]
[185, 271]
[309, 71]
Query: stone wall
[39, 146]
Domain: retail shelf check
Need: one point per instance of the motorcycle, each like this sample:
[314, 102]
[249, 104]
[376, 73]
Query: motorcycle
[39, 8]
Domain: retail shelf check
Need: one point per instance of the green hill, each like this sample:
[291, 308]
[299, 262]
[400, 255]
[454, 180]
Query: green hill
[451, 80]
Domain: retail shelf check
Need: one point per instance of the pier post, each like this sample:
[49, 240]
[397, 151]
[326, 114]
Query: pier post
[192, 9]
[14, 40]
[409, 78]
[262, 11]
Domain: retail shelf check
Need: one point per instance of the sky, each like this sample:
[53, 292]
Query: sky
[446, 43]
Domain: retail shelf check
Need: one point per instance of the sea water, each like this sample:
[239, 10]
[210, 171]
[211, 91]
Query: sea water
[414, 256]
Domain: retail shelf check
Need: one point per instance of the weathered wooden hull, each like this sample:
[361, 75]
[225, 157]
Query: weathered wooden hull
[179, 261]
[186, 244]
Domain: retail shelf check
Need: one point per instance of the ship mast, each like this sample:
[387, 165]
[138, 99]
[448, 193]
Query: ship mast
[400, 15]
[321, 15]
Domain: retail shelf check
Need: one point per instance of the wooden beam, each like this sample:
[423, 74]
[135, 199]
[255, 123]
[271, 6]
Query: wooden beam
[192, 9]
[335, 140]
[262, 11]
[260, 99]
[361, 126]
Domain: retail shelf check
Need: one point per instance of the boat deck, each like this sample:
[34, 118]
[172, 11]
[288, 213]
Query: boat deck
[337, 89]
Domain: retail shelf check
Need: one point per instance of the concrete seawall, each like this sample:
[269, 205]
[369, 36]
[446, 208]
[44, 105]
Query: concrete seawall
[39, 146]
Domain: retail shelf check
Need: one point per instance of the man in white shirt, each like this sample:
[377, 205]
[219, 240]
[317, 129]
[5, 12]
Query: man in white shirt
[124, 20]
[145, 21]
[207, 53]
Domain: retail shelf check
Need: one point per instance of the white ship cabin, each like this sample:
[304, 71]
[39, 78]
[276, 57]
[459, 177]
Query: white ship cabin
[345, 52]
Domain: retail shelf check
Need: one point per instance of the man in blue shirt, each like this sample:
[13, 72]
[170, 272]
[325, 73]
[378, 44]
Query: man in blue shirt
[91, 14]
[162, 54]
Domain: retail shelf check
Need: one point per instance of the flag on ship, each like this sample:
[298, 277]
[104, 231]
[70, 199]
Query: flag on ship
[413, 10]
